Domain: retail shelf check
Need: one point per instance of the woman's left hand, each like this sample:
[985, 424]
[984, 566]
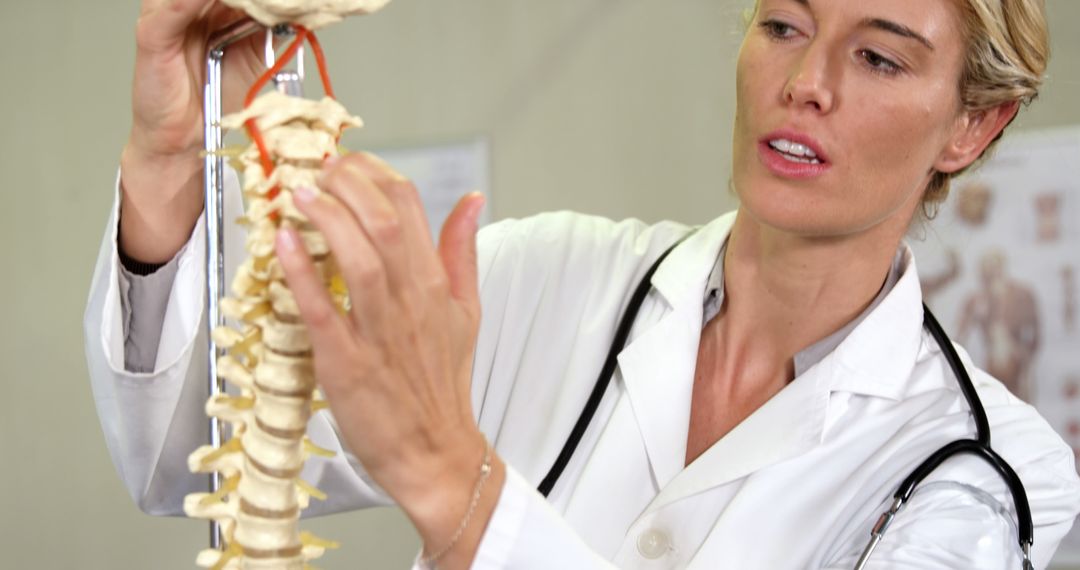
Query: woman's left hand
[396, 369]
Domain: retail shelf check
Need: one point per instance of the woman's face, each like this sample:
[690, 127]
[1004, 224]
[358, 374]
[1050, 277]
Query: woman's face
[844, 109]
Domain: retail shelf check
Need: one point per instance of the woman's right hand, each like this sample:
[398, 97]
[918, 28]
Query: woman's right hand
[161, 170]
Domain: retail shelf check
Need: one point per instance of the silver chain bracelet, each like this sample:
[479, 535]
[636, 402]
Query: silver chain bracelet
[485, 472]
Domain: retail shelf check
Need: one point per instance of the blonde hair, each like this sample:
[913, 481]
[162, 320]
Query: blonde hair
[1008, 47]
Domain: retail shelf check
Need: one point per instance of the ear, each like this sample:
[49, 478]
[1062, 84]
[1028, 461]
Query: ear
[974, 131]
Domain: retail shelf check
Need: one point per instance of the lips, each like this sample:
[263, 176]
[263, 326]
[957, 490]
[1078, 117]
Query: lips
[790, 154]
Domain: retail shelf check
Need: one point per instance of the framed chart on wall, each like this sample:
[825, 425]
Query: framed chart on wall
[1000, 266]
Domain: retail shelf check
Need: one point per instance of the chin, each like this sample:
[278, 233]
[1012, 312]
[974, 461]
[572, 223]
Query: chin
[793, 210]
[822, 209]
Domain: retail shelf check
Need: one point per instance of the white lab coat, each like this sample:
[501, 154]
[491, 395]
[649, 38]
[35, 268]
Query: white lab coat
[796, 485]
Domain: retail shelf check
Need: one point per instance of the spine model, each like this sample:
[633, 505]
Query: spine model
[268, 359]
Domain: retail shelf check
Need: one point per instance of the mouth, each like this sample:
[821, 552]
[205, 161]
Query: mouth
[789, 154]
[794, 152]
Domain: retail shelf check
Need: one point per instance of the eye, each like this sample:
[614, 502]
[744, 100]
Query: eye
[879, 63]
[778, 30]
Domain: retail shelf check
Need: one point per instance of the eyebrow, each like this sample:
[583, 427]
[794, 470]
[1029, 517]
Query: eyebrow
[893, 27]
[887, 26]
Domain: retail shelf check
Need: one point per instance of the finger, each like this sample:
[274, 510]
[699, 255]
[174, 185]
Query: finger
[221, 16]
[246, 61]
[377, 216]
[423, 265]
[248, 55]
[163, 25]
[251, 50]
[399, 190]
[359, 262]
[457, 248]
[325, 326]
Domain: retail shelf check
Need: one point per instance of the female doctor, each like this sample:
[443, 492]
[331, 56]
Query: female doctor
[777, 383]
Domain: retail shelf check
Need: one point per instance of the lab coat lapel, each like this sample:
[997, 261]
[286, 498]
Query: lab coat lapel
[788, 425]
[657, 367]
[658, 371]
[876, 359]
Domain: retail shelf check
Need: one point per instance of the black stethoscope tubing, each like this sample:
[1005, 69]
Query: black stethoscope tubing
[980, 446]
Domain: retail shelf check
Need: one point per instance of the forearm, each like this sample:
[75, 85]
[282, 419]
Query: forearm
[160, 203]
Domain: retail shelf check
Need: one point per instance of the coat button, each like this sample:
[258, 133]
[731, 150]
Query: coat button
[653, 544]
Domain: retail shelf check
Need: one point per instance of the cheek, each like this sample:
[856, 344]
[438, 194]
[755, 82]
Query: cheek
[741, 98]
[751, 96]
[896, 143]
[750, 82]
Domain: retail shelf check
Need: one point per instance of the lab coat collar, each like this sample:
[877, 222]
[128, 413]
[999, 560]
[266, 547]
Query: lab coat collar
[789, 424]
[681, 279]
[657, 368]
[877, 358]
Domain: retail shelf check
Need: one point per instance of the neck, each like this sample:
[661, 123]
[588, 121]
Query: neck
[784, 292]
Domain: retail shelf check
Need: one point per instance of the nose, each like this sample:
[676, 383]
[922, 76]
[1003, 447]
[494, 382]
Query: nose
[810, 85]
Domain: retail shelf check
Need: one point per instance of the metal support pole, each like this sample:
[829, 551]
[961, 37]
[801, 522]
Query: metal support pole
[214, 181]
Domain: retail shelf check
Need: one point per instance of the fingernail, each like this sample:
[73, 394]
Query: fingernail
[305, 194]
[286, 239]
[481, 199]
[331, 161]
[478, 206]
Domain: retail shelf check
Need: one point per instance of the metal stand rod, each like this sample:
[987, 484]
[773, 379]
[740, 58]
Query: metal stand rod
[214, 182]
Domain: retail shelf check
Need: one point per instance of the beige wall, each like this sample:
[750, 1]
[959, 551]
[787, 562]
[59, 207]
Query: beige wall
[617, 107]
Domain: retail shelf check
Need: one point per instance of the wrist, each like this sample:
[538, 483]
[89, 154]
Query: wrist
[451, 498]
[160, 202]
[141, 161]
[422, 482]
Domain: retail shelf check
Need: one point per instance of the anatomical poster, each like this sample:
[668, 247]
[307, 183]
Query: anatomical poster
[1000, 267]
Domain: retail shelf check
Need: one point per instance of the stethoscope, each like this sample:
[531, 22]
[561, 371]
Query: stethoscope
[980, 446]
